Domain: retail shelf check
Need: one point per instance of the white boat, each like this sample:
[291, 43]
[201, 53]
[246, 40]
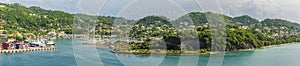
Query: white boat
[50, 43]
[39, 44]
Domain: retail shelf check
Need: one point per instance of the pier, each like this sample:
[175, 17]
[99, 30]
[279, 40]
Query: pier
[28, 50]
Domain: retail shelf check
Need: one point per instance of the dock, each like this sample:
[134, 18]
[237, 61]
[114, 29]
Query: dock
[28, 50]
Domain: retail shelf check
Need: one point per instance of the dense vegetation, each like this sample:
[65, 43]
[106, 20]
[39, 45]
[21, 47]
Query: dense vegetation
[17, 18]
[242, 32]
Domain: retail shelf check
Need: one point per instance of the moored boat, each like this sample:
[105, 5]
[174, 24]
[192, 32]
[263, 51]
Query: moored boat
[38, 44]
[50, 43]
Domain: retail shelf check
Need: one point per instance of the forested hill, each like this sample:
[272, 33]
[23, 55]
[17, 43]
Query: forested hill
[200, 18]
[245, 32]
[18, 18]
[242, 31]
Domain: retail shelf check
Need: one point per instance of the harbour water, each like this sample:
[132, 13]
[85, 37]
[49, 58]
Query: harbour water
[64, 56]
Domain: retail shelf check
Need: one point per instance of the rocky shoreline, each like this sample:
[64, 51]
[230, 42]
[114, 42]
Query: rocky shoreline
[180, 53]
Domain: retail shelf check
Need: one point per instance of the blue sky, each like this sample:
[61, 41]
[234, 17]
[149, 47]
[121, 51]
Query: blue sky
[134, 9]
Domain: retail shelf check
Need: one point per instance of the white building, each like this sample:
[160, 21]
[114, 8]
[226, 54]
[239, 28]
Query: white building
[2, 31]
[2, 6]
[243, 27]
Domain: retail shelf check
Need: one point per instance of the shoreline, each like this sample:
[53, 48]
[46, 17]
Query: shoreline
[270, 46]
[197, 53]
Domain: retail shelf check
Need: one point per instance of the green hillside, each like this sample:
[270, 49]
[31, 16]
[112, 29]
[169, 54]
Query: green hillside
[242, 32]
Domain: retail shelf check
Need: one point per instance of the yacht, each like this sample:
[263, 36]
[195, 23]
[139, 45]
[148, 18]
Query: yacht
[38, 43]
[50, 42]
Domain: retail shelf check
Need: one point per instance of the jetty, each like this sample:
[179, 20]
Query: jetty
[28, 50]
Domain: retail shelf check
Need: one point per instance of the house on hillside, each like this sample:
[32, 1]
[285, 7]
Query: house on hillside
[2, 6]
[32, 14]
[243, 27]
[3, 31]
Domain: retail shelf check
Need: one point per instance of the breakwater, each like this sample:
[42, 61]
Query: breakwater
[28, 50]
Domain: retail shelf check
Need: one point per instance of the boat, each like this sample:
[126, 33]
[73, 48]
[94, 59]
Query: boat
[41, 43]
[50, 43]
[38, 44]
[112, 47]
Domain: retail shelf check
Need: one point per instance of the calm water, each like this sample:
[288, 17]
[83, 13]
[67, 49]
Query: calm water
[64, 56]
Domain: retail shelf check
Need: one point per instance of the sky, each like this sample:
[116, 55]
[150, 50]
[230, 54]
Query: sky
[135, 9]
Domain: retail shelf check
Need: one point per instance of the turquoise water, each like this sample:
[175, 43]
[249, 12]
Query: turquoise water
[64, 56]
